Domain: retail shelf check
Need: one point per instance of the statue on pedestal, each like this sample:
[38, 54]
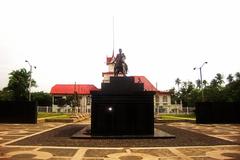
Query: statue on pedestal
[120, 65]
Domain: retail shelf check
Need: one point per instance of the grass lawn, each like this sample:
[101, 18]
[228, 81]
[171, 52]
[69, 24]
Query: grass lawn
[53, 115]
[177, 116]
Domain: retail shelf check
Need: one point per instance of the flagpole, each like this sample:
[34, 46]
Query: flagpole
[113, 36]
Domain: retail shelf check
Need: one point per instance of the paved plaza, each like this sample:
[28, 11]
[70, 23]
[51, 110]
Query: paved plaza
[10, 133]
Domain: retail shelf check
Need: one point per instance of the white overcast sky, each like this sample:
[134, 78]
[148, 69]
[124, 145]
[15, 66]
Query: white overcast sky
[68, 41]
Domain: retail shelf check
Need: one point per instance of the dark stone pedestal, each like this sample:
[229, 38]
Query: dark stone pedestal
[18, 112]
[122, 108]
[217, 112]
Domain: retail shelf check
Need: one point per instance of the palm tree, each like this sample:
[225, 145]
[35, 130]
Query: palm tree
[219, 78]
[198, 82]
[214, 83]
[204, 83]
[19, 82]
[178, 82]
[230, 78]
[237, 75]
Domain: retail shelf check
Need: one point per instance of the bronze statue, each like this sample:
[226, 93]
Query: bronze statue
[120, 65]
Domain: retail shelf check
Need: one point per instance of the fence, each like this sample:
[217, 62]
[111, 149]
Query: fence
[173, 109]
[170, 109]
[67, 109]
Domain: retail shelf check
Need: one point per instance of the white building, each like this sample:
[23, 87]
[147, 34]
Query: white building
[72, 96]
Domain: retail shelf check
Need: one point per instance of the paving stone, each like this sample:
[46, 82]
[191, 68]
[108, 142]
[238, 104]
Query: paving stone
[23, 157]
[93, 159]
[60, 152]
[195, 151]
[203, 158]
[60, 158]
[171, 158]
[5, 150]
[234, 148]
[155, 152]
[102, 152]
[232, 155]
[130, 158]
[10, 137]
[3, 141]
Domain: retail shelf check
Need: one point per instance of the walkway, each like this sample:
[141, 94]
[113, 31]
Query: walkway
[13, 132]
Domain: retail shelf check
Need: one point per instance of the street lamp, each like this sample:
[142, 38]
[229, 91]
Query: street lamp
[30, 82]
[201, 83]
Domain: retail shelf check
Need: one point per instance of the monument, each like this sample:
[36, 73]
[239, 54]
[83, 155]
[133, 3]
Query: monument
[122, 108]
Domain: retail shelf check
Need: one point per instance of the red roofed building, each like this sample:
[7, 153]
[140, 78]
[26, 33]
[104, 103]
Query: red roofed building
[66, 95]
[69, 89]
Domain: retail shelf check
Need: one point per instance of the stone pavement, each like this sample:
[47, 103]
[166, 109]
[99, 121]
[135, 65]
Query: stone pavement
[13, 132]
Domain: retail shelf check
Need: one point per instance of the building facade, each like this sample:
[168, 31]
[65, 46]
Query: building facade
[66, 97]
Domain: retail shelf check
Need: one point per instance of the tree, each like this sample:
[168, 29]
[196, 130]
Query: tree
[186, 94]
[5, 95]
[230, 78]
[232, 90]
[237, 75]
[42, 99]
[175, 96]
[219, 79]
[198, 82]
[18, 84]
[178, 82]
[205, 83]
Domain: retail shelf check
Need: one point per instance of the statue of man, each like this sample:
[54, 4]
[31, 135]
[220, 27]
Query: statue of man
[120, 65]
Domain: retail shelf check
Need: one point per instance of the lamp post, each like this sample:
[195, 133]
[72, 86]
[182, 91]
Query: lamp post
[30, 81]
[201, 83]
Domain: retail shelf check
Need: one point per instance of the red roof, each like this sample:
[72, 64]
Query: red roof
[62, 89]
[148, 86]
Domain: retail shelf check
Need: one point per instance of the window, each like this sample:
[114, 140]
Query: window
[165, 99]
[157, 98]
[88, 100]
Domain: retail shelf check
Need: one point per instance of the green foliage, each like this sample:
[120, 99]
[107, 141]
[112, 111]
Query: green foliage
[178, 82]
[53, 115]
[232, 91]
[230, 78]
[174, 96]
[18, 84]
[43, 99]
[177, 117]
[6, 95]
[215, 91]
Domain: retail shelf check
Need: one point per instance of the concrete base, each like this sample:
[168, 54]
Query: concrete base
[85, 133]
